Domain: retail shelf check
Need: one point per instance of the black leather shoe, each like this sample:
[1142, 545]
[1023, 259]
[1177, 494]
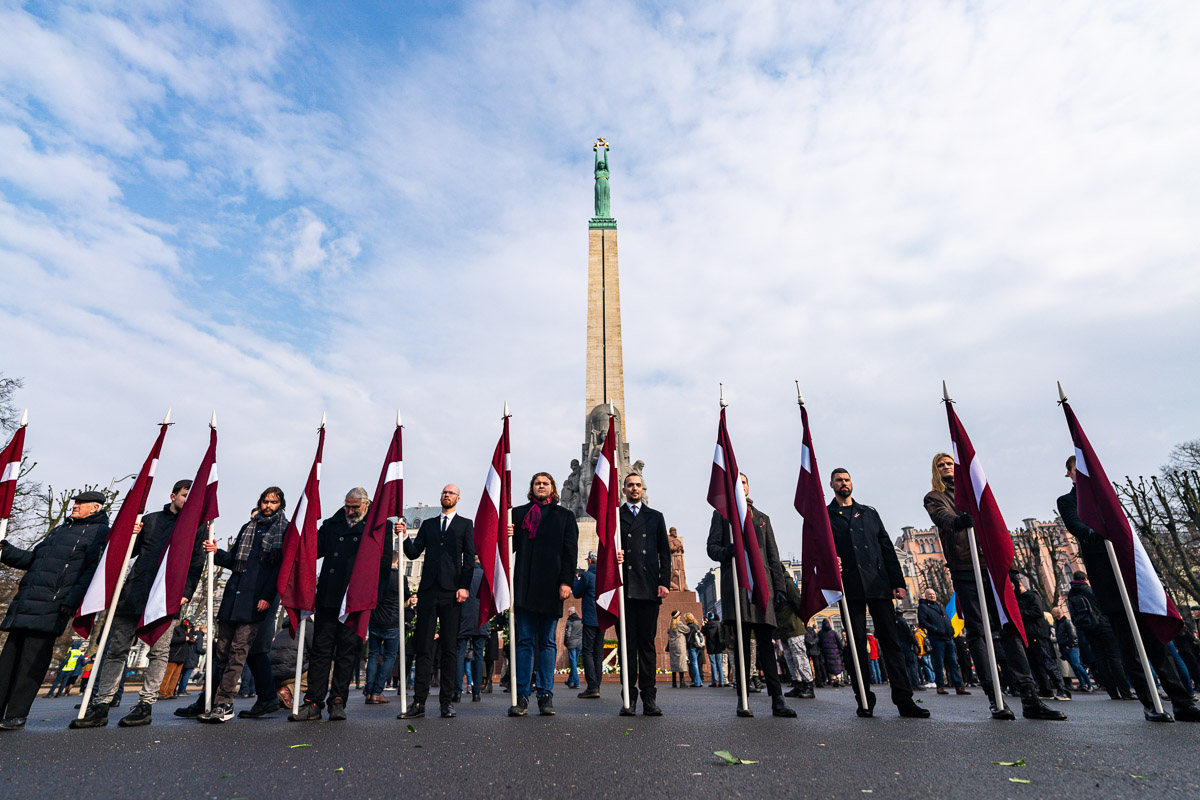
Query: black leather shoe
[1187, 713]
[475, 698]
[908, 708]
[1005, 713]
[1155, 716]
[448, 711]
[12, 724]
[744, 712]
[417, 709]
[546, 706]
[588, 694]
[650, 708]
[779, 708]
[261, 708]
[1032, 707]
[629, 711]
[806, 691]
[794, 691]
[520, 709]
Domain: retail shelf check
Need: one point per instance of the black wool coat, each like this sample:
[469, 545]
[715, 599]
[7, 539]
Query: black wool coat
[544, 564]
[870, 549]
[337, 544]
[647, 553]
[57, 573]
[243, 590]
[157, 528]
[720, 549]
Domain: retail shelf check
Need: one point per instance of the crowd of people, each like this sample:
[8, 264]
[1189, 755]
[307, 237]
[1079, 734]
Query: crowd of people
[448, 645]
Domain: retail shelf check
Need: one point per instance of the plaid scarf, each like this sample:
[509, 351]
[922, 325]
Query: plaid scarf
[272, 543]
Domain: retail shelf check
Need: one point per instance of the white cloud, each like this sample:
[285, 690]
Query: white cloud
[299, 243]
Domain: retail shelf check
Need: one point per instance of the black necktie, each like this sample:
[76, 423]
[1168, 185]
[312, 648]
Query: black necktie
[445, 523]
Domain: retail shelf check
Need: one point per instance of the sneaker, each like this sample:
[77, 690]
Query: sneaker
[12, 724]
[309, 712]
[221, 712]
[337, 709]
[1064, 695]
[546, 706]
[140, 715]
[96, 717]
[520, 709]
[191, 711]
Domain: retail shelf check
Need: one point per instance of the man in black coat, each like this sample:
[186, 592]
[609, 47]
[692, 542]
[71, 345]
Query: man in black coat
[545, 541]
[871, 579]
[334, 644]
[448, 542]
[1094, 625]
[593, 638]
[253, 561]
[939, 638]
[472, 639]
[646, 555]
[757, 623]
[1043, 660]
[1108, 595]
[151, 536]
[57, 573]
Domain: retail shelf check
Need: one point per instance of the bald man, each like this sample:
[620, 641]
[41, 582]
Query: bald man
[448, 542]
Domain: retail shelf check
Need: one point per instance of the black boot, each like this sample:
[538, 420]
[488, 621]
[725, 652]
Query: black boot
[1187, 712]
[1032, 706]
[1001, 713]
[794, 691]
[806, 691]
[869, 711]
[262, 706]
[649, 706]
[909, 708]
[191, 711]
[96, 717]
[140, 715]
[779, 708]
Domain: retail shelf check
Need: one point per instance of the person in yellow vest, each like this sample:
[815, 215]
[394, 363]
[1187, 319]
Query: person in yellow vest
[68, 670]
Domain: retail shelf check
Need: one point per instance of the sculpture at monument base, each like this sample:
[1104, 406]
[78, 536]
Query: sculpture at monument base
[678, 577]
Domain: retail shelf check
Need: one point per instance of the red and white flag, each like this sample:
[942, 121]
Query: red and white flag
[820, 578]
[604, 499]
[363, 591]
[199, 510]
[100, 592]
[1101, 511]
[973, 495]
[10, 470]
[297, 584]
[726, 495]
[491, 531]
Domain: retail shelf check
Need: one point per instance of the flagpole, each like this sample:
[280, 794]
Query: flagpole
[737, 601]
[299, 665]
[1133, 623]
[844, 607]
[208, 631]
[512, 586]
[108, 621]
[621, 644]
[998, 693]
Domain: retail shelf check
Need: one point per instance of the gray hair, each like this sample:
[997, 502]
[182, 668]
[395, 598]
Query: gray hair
[358, 493]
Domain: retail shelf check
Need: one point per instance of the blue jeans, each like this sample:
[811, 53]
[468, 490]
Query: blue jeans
[694, 665]
[944, 658]
[183, 681]
[926, 668]
[1081, 674]
[475, 676]
[573, 657]
[876, 675]
[383, 646]
[535, 639]
[717, 664]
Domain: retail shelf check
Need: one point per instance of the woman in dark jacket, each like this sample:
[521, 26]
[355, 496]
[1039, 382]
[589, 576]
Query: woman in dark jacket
[714, 646]
[831, 651]
[249, 595]
[180, 646]
[57, 573]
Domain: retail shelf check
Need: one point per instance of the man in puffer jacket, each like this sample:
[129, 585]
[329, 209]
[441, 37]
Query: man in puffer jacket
[57, 573]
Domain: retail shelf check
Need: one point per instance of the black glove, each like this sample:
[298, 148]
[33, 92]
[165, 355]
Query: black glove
[781, 600]
[963, 521]
[727, 552]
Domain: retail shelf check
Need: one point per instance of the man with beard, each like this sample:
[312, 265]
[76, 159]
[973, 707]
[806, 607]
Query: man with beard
[1108, 595]
[57, 573]
[756, 622]
[448, 542]
[646, 555]
[249, 592]
[151, 537]
[545, 540]
[952, 530]
[871, 579]
[334, 644]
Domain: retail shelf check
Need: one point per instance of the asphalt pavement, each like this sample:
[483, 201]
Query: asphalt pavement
[587, 750]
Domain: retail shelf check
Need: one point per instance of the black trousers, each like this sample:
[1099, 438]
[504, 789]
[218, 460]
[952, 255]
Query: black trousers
[1017, 665]
[1106, 652]
[593, 657]
[1043, 664]
[23, 664]
[432, 608]
[336, 645]
[641, 626]
[764, 635]
[883, 615]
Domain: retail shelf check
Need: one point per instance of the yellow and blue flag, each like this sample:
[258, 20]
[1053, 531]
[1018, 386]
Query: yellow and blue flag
[956, 619]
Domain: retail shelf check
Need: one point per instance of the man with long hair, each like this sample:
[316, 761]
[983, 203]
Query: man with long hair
[545, 540]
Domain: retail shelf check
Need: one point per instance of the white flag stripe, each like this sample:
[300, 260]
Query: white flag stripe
[508, 462]
[11, 470]
[719, 456]
[999, 605]
[395, 472]
[156, 605]
[500, 590]
[492, 484]
[805, 459]
[831, 595]
[1081, 463]
[602, 467]
[301, 507]
[153, 467]
[978, 480]
[606, 598]
[212, 475]
[1152, 598]
[93, 601]
[318, 470]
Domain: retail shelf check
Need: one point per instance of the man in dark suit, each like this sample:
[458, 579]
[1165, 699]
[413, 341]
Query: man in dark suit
[448, 542]
[646, 553]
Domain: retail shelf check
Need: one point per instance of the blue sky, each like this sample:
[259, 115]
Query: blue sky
[283, 209]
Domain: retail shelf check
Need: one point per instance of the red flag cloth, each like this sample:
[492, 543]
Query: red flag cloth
[10, 470]
[104, 582]
[603, 502]
[363, 591]
[297, 584]
[973, 495]
[1101, 511]
[726, 495]
[491, 531]
[199, 510]
[820, 578]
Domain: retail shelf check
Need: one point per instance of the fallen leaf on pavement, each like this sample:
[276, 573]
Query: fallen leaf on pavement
[1018, 763]
[730, 759]
[1017, 780]
[294, 746]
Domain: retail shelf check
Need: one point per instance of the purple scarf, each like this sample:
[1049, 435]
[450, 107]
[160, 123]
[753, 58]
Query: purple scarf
[534, 518]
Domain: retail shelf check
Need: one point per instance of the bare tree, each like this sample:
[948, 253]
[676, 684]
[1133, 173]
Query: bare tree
[933, 574]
